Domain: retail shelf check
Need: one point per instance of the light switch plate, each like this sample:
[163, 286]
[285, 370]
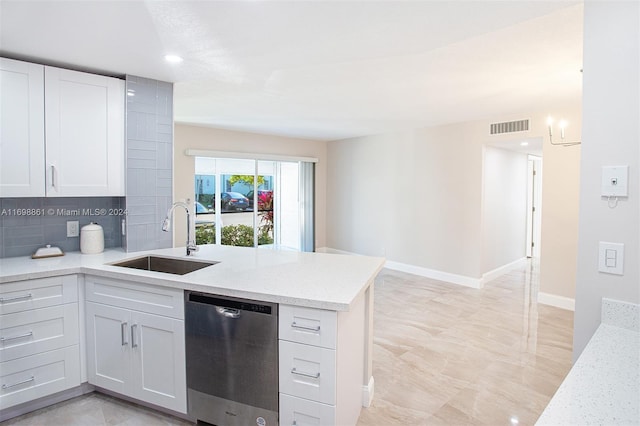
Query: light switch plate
[611, 258]
[615, 181]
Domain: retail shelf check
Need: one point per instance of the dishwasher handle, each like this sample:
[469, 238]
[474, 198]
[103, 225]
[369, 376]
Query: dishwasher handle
[228, 312]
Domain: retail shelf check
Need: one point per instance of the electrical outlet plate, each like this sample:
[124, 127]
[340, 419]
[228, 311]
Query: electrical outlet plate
[615, 181]
[73, 228]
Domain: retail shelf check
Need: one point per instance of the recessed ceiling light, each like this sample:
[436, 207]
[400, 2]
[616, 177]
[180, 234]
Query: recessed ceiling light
[524, 143]
[174, 59]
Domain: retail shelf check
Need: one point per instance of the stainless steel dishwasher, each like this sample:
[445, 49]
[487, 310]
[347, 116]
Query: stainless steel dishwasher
[232, 360]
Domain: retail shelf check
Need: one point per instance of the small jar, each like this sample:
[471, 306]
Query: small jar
[91, 239]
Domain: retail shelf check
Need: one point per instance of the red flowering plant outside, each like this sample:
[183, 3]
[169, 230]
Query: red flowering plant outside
[265, 207]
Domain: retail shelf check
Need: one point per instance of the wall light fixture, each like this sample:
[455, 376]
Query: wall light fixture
[562, 124]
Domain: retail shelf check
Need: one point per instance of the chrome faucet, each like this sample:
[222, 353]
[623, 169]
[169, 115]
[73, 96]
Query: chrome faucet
[166, 225]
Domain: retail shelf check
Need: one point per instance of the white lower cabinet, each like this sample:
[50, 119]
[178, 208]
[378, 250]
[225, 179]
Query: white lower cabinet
[321, 365]
[39, 338]
[35, 376]
[308, 372]
[134, 353]
[303, 412]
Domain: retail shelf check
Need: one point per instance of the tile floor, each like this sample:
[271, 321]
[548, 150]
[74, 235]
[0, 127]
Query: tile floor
[443, 355]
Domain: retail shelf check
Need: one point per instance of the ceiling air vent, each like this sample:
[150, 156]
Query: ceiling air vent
[510, 127]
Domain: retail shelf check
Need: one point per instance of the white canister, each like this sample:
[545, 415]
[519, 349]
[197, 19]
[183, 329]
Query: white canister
[91, 239]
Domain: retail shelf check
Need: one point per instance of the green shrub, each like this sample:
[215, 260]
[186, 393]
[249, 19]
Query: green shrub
[205, 234]
[232, 235]
[237, 235]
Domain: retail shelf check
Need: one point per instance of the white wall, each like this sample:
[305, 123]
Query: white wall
[504, 207]
[611, 135]
[207, 138]
[416, 197]
[560, 206]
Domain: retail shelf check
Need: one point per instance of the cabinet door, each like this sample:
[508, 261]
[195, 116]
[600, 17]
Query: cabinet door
[108, 347]
[84, 134]
[158, 350]
[21, 129]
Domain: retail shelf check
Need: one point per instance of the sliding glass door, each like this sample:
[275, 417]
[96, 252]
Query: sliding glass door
[250, 203]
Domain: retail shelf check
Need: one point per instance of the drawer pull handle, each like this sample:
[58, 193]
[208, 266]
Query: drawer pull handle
[134, 327]
[123, 334]
[302, 373]
[6, 386]
[304, 327]
[13, 299]
[22, 336]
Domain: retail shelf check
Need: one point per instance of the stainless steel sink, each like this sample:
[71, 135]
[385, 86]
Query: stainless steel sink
[169, 265]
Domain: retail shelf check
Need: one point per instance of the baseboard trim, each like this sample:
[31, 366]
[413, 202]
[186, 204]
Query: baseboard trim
[367, 393]
[557, 301]
[492, 275]
[433, 274]
[334, 251]
[417, 270]
[463, 280]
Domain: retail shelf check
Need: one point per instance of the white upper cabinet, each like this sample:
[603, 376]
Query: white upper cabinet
[62, 132]
[84, 134]
[21, 129]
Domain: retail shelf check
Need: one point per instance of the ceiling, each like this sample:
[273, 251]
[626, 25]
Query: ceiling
[320, 70]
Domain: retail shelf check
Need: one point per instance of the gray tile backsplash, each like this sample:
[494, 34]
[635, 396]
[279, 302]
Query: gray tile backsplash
[149, 191]
[29, 223]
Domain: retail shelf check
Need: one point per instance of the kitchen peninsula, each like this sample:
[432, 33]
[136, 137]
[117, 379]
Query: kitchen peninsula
[335, 291]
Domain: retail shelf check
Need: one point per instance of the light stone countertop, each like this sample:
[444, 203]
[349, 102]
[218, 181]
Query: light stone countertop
[603, 386]
[317, 280]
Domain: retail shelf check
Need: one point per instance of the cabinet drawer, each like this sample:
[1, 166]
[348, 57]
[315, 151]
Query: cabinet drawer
[30, 332]
[302, 412]
[308, 372]
[152, 299]
[35, 376]
[39, 293]
[307, 325]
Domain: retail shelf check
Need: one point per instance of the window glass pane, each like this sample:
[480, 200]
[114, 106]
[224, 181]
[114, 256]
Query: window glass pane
[237, 217]
[232, 207]
[288, 206]
[205, 189]
[265, 200]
